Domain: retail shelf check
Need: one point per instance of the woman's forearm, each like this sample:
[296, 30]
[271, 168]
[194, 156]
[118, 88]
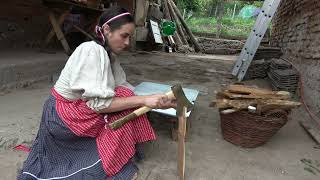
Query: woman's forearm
[156, 101]
[119, 104]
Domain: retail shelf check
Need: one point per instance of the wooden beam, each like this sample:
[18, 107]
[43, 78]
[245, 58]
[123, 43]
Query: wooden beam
[192, 38]
[166, 11]
[167, 16]
[52, 32]
[178, 25]
[141, 12]
[59, 32]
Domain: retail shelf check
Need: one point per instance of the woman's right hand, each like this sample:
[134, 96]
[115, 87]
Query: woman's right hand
[159, 101]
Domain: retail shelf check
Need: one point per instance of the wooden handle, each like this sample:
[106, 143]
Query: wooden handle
[170, 95]
[141, 110]
[138, 112]
[181, 144]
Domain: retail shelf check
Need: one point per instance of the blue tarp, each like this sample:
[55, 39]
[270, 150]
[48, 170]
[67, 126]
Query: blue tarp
[249, 11]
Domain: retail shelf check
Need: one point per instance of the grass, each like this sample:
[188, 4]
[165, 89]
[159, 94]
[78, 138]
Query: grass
[236, 27]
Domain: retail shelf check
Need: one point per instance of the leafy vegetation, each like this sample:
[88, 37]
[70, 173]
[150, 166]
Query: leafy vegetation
[236, 27]
[201, 16]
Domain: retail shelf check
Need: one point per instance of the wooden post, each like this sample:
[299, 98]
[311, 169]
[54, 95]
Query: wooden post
[192, 38]
[168, 17]
[166, 10]
[178, 25]
[141, 12]
[181, 144]
[59, 32]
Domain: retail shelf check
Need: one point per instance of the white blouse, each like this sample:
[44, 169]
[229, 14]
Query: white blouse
[90, 75]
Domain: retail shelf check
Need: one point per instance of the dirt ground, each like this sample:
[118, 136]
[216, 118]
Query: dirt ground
[208, 155]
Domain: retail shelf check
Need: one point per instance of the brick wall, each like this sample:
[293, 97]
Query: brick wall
[296, 29]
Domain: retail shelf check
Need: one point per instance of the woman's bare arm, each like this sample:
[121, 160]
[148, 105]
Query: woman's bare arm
[158, 101]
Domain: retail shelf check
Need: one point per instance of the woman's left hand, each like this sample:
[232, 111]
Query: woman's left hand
[166, 103]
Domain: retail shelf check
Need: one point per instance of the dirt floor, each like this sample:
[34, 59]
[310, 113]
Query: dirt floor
[208, 155]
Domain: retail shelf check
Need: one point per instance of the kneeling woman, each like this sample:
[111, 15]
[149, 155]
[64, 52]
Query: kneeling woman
[74, 140]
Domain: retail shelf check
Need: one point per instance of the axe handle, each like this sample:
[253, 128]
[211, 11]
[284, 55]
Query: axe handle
[138, 112]
[181, 143]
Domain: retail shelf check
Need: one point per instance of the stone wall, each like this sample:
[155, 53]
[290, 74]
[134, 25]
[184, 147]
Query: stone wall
[296, 29]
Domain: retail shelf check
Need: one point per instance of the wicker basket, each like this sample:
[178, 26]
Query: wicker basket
[251, 130]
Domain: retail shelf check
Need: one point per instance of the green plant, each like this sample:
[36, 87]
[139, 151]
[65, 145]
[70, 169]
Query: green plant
[236, 27]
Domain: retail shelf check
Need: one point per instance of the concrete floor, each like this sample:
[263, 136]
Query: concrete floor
[208, 156]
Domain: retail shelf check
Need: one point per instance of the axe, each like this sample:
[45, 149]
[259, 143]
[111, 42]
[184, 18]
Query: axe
[176, 92]
[183, 104]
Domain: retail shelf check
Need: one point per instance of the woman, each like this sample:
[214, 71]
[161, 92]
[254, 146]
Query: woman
[74, 140]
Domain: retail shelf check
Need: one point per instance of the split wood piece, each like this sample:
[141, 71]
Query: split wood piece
[59, 33]
[241, 89]
[192, 38]
[262, 105]
[269, 104]
[181, 144]
[178, 25]
[230, 95]
[236, 104]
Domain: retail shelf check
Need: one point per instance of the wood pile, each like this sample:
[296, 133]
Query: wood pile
[256, 100]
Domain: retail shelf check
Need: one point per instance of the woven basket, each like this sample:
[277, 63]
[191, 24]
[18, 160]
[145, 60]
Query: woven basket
[251, 130]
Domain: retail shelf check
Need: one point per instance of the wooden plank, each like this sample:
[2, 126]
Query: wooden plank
[141, 12]
[142, 33]
[59, 32]
[181, 144]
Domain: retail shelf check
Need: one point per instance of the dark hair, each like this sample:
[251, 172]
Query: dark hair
[117, 23]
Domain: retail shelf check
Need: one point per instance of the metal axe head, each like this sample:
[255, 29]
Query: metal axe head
[182, 100]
